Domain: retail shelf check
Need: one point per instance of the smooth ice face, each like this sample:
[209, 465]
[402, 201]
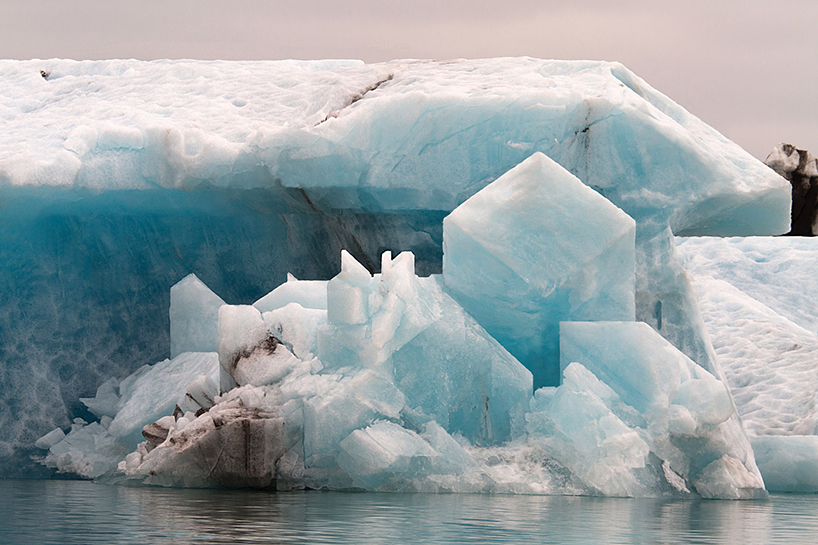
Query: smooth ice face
[154, 391]
[665, 299]
[534, 248]
[194, 317]
[789, 463]
[459, 375]
[689, 415]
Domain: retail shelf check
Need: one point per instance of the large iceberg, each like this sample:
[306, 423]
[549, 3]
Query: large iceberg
[119, 178]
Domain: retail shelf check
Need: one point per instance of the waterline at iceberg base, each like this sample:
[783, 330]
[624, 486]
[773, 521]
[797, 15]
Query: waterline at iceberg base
[533, 331]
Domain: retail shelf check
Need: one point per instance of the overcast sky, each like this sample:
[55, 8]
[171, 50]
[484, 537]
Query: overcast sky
[747, 67]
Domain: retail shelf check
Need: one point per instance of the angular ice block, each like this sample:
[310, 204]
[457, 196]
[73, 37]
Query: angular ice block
[153, 391]
[536, 247]
[194, 317]
[456, 373]
[443, 361]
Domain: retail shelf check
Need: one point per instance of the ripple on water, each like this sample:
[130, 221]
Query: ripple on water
[78, 512]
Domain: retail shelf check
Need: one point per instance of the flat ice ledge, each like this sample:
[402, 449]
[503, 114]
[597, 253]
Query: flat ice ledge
[362, 136]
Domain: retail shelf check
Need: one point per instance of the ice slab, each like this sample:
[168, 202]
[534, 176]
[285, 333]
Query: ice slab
[106, 402]
[154, 391]
[194, 317]
[534, 248]
[689, 415]
[459, 375]
[363, 135]
[665, 299]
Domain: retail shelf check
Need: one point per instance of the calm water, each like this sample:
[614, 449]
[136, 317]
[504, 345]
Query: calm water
[67, 512]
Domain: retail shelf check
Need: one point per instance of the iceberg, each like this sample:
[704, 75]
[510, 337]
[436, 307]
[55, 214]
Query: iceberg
[383, 376]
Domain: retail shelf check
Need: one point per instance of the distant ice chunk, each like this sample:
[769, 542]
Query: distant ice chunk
[194, 317]
[533, 248]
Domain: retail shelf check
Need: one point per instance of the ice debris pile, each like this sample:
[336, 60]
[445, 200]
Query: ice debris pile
[386, 382]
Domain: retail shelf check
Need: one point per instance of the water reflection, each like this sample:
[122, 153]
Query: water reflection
[68, 512]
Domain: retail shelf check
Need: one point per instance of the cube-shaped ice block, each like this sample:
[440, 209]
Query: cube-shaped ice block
[194, 317]
[534, 248]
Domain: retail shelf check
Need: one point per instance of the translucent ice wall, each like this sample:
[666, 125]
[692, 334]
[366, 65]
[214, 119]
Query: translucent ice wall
[118, 178]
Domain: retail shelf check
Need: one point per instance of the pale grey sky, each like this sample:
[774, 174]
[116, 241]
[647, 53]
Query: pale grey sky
[747, 67]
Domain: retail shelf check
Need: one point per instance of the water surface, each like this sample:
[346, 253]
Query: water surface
[74, 512]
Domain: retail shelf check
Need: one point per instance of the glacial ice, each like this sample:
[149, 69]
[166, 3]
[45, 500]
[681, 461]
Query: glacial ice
[687, 413]
[153, 391]
[757, 299]
[194, 317]
[243, 173]
[534, 248]
[638, 418]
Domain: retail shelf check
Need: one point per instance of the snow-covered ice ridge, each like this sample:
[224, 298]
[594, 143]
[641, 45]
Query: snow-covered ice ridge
[758, 298]
[360, 132]
[120, 177]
